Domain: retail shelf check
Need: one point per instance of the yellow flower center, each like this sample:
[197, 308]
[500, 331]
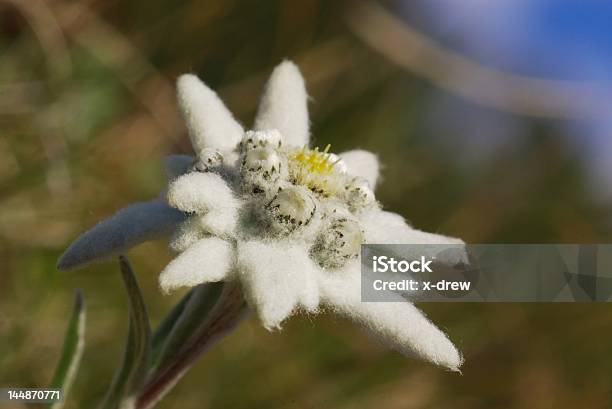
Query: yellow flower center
[316, 170]
[314, 161]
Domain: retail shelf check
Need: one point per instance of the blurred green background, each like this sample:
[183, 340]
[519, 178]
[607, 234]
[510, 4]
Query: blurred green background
[87, 113]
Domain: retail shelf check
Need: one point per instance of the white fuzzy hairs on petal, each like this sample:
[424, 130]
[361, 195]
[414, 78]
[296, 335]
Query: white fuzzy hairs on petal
[399, 324]
[127, 228]
[186, 234]
[284, 105]
[200, 192]
[208, 260]
[362, 163]
[382, 227]
[277, 278]
[221, 222]
[210, 123]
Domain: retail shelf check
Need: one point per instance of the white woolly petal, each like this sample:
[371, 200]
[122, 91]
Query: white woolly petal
[220, 222]
[382, 227]
[207, 260]
[177, 165]
[186, 234]
[337, 162]
[399, 324]
[199, 192]
[277, 278]
[284, 105]
[128, 227]
[362, 163]
[210, 123]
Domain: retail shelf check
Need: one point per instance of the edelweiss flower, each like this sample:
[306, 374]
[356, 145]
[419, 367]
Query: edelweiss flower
[285, 220]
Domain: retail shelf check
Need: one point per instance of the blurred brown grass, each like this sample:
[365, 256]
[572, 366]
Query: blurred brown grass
[87, 112]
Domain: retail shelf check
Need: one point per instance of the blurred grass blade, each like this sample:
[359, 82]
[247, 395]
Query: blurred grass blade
[166, 326]
[195, 312]
[136, 359]
[74, 344]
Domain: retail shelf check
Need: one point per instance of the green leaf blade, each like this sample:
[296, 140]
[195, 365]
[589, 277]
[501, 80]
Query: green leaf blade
[72, 352]
[165, 328]
[194, 314]
[137, 356]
